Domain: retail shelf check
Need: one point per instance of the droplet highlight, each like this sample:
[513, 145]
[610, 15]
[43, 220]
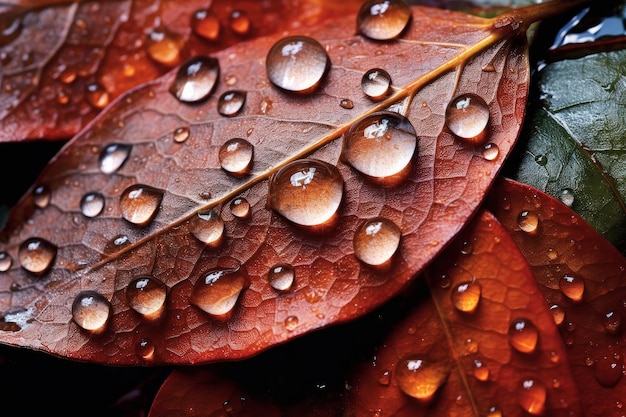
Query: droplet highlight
[236, 156]
[573, 287]
[208, 227]
[36, 255]
[231, 103]
[383, 19]
[466, 296]
[217, 291]
[467, 116]
[523, 335]
[420, 378]
[140, 203]
[91, 311]
[531, 396]
[376, 241]
[113, 156]
[92, 204]
[196, 79]
[281, 277]
[375, 83]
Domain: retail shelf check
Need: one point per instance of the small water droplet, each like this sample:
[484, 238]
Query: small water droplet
[481, 372]
[612, 321]
[113, 157]
[467, 248]
[567, 197]
[376, 241]
[239, 22]
[10, 27]
[572, 287]
[240, 208]
[541, 160]
[466, 296]
[375, 83]
[205, 24]
[385, 378]
[491, 151]
[196, 79]
[208, 227]
[421, 378]
[42, 196]
[36, 255]
[291, 323]
[523, 335]
[281, 277]
[91, 311]
[297, 63]
[558, 314]
[97, 96]
[494, 412]
[528, 221]
[140, 203]
[467, 116]
[532, 396]
[381, 145]
[489, 67]
[236, 156]
[230, 103]
[92, 204]
[164, 47]
[181, 134]
[383, 19]
[217, 291]
[307, 192]
[145, 349]
[346, 103]
[608, 370]
[116, 244]
[146, 295]
[444, 281]
[5, 261]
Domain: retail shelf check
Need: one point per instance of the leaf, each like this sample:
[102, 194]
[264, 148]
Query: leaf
[63, 62]
[574, 145]
[582, 277]
[154, 202]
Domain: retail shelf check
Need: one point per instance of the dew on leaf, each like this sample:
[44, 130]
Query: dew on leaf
[383, 19]
[291, 323]
[236, 156]
[164, 47]
[532, 395]
[239, 22]
[116, 244]
[467, 116]
[208, 227]
[490, 151]
[140, 203]
[181, 134]
[346, 103]
[240, 208]
[5, 261]
[281, 277]
[466, 296]
[91, 311]
[612, 321]
[608, 370]
[528, 221]
[494, 412]
[145, 349]
[218, 290]
[375, 83]
[98, 96]
[42, 196]
[297, 63]
[541, 160]
[196, 79]
[113, 157]
[92, 204]
[573, 287]
[230, 103]
[36, 255]
[385, 378]
[376, 241]
[480, 372]
[558, 314]
[381, 145]
[146, 295]
[420, 378]
[567, 197]
[523, 335]
[307, 192]
[205, 24]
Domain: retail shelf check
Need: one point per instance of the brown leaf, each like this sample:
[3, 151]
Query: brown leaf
[115, 255]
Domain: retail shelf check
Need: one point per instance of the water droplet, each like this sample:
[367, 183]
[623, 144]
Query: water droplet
[491, 151]
[236, 156]
[116, 244]
[494, 412]
[528, 221]
[531, 396]
[146, 295]
[281, 277]
[385, 378]
[567, 196]
[146, 349]
[444, 281]
[97, 96]
[612, 321]
[239, 22]
[375, 83]
[380, 145]
[307, 192]
[346, 103]
[541, 160]
[164, 47]
[92, 204]
[5, 261]
[467, 248]
[196, 79]
[231, 102]
[240, 207]
[481, 372]
[217, 291]
[181, 134]
[383, 19]
[36, 255]
[558, 314]
[466, 296]
[10, 27]
[420, 378]
[467, 116]
[376, 241]
[42, 196]
[523, 335]
[208, 227]
[572, 287]
[291, 323]
[140, 203]
[205, 24]
[91, 311]
[608, 371]
[113, 157]
[297, 63]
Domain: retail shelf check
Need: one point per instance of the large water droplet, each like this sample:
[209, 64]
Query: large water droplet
[113, 157]
[528, 221]
[181, 134]
[146, 295]
[92, 204]
[420, 378]
[36, 255]
[42, 196]
[375, 83]
[236, 156]
[240, 208]
[481, 372]
[91, 311]
[383, 19]
[297, 63]
[196, 79]
[490, 151]
[239, 22]
[609, 370]
[466, 296]
[531, 396]
[5, 261]
[281, 277]
[218, 290]
[523, 335]
[467, 116]
[205, 24]
[98, 96]
[307, 192]
[231, 102]
[208, 227]
[376, 241]
[380, 145]
[164, 47]
[573, 287]
[140, 203]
